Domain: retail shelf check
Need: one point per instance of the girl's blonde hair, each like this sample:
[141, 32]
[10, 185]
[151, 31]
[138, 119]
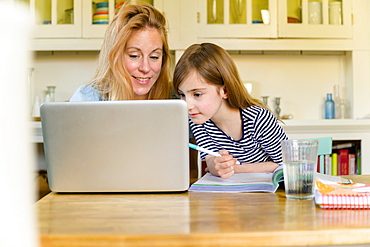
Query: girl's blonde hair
[216, 66]
[111, 79]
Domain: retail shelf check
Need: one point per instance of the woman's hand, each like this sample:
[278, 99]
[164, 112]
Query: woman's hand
[221, 166]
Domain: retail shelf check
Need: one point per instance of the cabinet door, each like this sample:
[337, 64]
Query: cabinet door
[181, 21]
[315, 19]
[237, 19]
[56, 18]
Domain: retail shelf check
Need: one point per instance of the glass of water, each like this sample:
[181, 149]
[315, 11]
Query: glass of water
[299, 164]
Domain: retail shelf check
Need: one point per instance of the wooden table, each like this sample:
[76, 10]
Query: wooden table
[196, 219]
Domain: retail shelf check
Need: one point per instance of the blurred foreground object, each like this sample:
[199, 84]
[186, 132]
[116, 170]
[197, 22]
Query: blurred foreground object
[17, 224]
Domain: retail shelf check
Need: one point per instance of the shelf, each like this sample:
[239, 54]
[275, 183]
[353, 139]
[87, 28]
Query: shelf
[327, 126]
[283, 44]
[90, 44]
[338, 129]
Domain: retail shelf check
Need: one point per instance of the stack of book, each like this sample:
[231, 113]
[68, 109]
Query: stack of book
[339, 195]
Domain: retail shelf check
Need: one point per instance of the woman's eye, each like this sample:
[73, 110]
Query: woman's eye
[133, 56]
[197, 94]
[154, 57]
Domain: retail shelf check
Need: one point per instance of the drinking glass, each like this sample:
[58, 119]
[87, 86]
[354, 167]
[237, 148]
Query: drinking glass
[299, 164]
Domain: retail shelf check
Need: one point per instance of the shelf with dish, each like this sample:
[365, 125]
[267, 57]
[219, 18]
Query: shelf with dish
[63, 19]
[275, 19]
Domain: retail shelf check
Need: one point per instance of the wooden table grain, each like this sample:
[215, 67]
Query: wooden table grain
[196, 219]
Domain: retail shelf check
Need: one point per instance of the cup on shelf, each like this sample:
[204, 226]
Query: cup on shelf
[265, 16]
[68, 16]
[50, 96]
[101, 14]
[300, 162]
[102, 5]
[314, 12]
[335, 13]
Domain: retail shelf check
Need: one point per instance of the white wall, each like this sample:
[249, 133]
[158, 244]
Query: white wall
[65, 70]
[301, 81]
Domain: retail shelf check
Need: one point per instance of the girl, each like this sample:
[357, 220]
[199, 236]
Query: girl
[223, 116]
[134, 62]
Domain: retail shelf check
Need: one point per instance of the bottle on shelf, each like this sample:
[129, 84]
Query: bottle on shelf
[329, 107]
[277, 107]
[50, 96]
[337, 101]
[265, 100]
[340, 102]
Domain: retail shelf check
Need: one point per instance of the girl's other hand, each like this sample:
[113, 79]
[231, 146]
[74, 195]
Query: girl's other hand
[224, 165]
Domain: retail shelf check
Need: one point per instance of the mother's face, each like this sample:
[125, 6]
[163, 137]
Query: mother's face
[143, 60]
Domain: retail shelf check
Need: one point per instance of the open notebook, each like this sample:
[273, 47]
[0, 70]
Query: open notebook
[116, 146]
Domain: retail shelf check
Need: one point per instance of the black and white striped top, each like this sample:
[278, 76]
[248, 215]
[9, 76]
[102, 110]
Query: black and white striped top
[260, 142]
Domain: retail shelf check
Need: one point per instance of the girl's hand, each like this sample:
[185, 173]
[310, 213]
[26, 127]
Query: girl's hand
[222, 166]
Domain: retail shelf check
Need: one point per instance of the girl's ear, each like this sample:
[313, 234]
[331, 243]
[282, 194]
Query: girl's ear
[223, 92]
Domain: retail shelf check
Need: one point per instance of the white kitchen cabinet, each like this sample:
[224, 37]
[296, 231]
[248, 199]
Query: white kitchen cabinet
[286, 19]
[72, 18]
[335, 20]
[236, 19]
[56, 18]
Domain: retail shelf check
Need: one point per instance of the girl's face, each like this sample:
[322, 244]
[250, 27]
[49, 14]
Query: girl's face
[205, 100]
[143, 60]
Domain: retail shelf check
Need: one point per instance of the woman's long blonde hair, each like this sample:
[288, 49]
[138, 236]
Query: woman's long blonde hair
[111, 79]
[216, 66]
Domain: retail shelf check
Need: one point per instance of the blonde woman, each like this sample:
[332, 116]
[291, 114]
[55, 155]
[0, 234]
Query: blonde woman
[134, 61]
[223, 116]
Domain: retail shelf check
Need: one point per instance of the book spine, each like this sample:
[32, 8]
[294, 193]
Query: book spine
[334, 162]
[328, 164]
[322, 165]
[343, 162]
[358, 162]
[352, 164]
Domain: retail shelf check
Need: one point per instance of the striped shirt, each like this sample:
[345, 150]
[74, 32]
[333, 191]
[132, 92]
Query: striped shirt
[260, 142]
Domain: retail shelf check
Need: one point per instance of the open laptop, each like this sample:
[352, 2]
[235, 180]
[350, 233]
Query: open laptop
[116, 146]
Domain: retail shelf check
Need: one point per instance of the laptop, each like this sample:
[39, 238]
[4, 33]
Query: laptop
[116, 146]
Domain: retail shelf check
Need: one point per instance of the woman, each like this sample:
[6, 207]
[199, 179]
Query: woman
[134, 62]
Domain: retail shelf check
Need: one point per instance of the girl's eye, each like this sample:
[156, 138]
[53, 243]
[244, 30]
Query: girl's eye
[133, 56]
[197, 94]
[154, 57]
[182, 96]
